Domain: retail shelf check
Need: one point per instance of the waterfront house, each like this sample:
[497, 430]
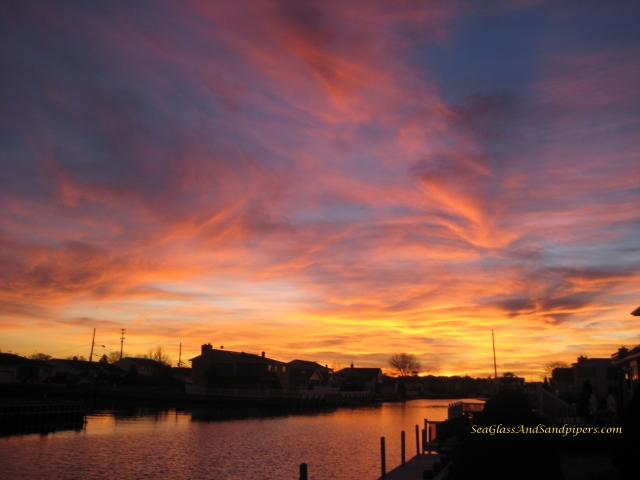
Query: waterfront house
[75, 370]
[307, 375]
[509, 380]
[355, 379]
[627, 361]
[144, 367]
[14, 369]
[601, 373]
[219, 368]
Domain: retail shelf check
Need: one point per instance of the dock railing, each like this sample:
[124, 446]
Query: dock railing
[457, 409]
[550, 406]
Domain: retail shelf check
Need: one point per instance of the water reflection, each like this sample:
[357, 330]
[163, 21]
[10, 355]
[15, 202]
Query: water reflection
[221, 443]
[44, 428]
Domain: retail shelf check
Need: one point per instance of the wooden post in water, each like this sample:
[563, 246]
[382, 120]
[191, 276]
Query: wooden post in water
[424, 440]
[303, 471]
[402, 446]
[382, 457]
[417, 440]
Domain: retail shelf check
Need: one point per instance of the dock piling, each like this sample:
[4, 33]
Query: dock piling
[303, 471]
[383, 457]
[402, 446]
[417, 440]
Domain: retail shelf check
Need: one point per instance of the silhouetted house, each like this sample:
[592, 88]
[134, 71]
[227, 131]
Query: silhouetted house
[509, 380]
[354, 379]
[14, 368]
[83, 370]
[304, 374]
[215, 368]
[144, 367]
[600, 372]
[627, 361]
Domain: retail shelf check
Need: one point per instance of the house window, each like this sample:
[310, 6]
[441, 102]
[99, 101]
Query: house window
[284, 369]
[633, 373]
[268, 368]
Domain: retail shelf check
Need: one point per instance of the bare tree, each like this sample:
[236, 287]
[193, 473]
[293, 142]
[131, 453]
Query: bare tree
[159, 355]
[335, 366]
[115, 356]
[404, 364]
[550, 366]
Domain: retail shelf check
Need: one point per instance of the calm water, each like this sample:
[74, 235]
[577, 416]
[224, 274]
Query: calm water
[343, 444]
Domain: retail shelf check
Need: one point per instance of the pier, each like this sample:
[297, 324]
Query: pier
[415, 468]
[434, 449]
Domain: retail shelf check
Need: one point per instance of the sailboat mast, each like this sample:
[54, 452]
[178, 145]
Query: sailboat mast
[93, 342]
[495, 367]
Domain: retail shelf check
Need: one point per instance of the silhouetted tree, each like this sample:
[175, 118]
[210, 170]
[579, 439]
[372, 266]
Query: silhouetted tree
[115, 356]
[40, 356]
[159, 355]
[549, 367]
[76, 357]
[404, 364]
[104, 359]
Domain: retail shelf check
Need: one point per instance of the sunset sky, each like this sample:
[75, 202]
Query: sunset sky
[333, 181]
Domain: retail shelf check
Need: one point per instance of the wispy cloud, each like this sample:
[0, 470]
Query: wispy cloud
[319, 180]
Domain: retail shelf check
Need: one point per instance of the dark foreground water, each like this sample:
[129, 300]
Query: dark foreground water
[342, 444]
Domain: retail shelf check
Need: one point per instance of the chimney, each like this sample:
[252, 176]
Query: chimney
[206, 348]
[351, 364]
[262, 354]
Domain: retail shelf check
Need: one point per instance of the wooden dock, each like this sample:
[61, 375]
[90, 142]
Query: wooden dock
[414, 468]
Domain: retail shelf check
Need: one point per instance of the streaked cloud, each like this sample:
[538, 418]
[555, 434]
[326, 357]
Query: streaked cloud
[321, 180]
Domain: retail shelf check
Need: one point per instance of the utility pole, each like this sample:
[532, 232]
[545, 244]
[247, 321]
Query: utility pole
[121, 342]
[180, 356]
[93, 342]
[495, 368]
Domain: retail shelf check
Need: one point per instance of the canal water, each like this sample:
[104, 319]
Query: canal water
[221, 444]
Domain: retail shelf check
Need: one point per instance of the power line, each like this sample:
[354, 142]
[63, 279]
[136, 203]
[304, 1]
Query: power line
[67, 349]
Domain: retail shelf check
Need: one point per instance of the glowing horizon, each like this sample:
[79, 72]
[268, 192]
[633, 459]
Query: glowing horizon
[322, 181]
